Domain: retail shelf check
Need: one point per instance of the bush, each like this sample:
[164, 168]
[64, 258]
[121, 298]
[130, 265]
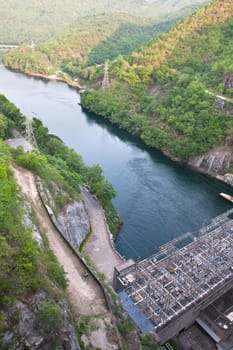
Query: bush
[50, 317]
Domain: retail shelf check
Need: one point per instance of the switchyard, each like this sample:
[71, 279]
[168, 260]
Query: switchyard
[166, 292]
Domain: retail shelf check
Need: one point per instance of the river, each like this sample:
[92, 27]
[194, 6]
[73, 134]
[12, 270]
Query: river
[156, 198]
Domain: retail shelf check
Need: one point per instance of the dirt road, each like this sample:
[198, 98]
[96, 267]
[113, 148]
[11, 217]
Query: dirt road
[83, 292]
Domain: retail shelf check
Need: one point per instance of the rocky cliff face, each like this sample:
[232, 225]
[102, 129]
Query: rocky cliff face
[213, 162]
[227, 178]
[27, 332]
[73, 221]
[29, 223]
[22, 325]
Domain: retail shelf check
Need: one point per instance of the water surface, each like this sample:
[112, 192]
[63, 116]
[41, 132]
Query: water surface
[156, 198]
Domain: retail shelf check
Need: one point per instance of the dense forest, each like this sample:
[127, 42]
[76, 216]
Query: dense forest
[162, 92]
[24, 21]
[83, 45]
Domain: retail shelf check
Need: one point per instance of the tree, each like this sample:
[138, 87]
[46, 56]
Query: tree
[105, 191]
[3, 126]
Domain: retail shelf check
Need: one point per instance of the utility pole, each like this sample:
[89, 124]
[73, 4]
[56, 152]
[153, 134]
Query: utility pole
[29, 135]
[106, 82]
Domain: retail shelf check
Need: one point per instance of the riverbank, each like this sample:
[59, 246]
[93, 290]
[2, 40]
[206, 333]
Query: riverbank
[195, 164]
[214, 163]
[54, 77]
[147, 183]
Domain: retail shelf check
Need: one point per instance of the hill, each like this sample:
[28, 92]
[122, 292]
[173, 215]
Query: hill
[89, 41]
[24, 21]
[165, 92]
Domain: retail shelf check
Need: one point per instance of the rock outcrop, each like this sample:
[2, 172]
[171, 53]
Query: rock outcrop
[213, 163]
[73, 221]
[227, 178]
[29, 333]
[30, 224]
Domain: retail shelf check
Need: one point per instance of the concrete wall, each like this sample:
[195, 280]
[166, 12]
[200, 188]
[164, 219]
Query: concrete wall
[187, 318]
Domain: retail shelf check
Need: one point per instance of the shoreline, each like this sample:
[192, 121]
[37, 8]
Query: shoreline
[53, 77]
[219, 177]
[79, 88]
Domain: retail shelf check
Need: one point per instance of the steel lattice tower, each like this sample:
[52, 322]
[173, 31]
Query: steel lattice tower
[106, 82]
[29, 134]
[33, 46]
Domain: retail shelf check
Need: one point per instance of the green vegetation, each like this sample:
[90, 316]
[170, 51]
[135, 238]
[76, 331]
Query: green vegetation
[148, 343]
[103, 30]
[50, 317]
[85, 325]
[61, 168]
[26, 268]
[160, 92]
[24, 21]
[125, 326]
[89, 41]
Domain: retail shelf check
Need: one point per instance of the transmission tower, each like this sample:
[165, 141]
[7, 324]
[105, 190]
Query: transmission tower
[29, 135]
[33, 46]
[105, 82]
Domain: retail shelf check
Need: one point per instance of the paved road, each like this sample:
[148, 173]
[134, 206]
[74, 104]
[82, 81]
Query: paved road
[99, 247]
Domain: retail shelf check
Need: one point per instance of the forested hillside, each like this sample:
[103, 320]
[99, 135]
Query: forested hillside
[88, 42]
[162, 92]
[23, 21]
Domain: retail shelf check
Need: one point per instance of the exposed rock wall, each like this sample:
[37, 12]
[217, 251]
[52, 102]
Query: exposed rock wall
[29, 223]
[227, 178]
[21, 321]
[213, 163]
[28, 333]
[73, 221]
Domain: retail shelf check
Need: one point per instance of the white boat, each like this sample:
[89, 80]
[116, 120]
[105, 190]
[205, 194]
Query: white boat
[227, 197]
